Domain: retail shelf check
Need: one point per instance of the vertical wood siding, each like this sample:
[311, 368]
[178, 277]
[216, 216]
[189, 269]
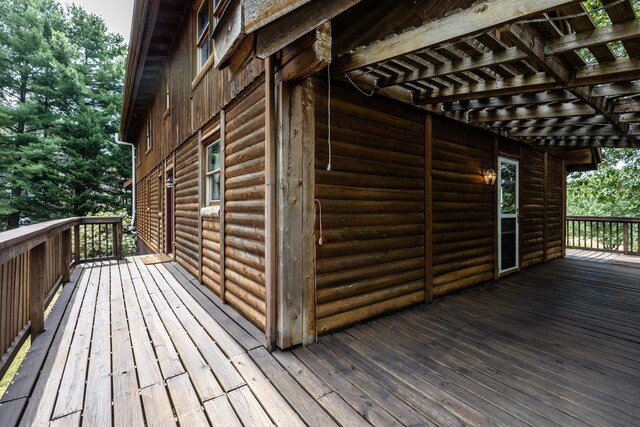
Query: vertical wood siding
[463, 207]
[372, 256]
[244, 206]
[532, 207]
[187, 207]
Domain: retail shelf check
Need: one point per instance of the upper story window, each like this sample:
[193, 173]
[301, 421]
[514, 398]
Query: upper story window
[167, 94]
[149, 139]
[212, 171]
[203, 33]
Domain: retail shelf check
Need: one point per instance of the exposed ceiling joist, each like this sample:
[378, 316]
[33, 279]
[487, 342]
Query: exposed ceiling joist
[616, 89]
[598, 130]
[609, 33]
[510, 101]
[466, 64]
[560, 121]
[569, 109]
[474, 20]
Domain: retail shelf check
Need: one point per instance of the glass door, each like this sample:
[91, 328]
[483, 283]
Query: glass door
[508, 215]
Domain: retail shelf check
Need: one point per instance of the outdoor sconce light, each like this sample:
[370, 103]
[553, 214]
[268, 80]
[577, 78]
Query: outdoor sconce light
[171, 183]
[489, 175]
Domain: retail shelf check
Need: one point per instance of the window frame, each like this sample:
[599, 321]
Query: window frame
[204, 35]
[167, 99]
[209, 175]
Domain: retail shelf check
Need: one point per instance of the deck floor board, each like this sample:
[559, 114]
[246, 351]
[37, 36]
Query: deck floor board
[146, 345]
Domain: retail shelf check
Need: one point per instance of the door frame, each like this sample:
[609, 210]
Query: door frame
[499, 215]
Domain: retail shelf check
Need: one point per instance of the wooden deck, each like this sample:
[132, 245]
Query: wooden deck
[556, 345]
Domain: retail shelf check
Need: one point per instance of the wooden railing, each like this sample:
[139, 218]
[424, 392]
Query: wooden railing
[608, 234]
[35, 260]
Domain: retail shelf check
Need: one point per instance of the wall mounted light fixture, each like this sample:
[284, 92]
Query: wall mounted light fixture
[171, 182]
[489, 174]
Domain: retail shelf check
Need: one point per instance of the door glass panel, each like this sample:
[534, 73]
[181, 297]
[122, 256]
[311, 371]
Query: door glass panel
[508, 243]
[508, 186]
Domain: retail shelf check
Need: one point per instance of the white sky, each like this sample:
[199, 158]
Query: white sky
[116, 13]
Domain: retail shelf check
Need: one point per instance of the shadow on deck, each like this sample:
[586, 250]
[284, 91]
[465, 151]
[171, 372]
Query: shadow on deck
[556, 345]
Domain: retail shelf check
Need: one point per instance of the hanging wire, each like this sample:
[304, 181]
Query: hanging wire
[358, 87]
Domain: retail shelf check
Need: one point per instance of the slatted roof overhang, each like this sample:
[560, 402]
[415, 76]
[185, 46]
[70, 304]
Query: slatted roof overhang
[154, 28]
[538, 71]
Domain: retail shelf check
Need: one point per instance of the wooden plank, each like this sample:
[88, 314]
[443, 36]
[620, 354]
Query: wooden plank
[185, 401]
[127, 407]
[428, 207]
[602, 35]
[98, 398]
[306, 407]
[248, 408]
[474, 20]
[72, 385]
[344, 414]
[38, 275]
[275, 405]
[157, 407]
[221, 413]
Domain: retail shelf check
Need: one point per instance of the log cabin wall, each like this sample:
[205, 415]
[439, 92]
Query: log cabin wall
[244, 205]
[372, 259]
[555, 191]
[464, 208]
[187, 207]
[533, 220]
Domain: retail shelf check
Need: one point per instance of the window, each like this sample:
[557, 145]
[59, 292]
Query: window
[167, 94]
[149, 142]
[203, 35]
[213, 173]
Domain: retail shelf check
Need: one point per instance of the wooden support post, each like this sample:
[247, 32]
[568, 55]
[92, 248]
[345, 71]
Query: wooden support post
[76, 244]
[496, 266]
[117, 239]
[428, 208]
[625, 238]
[544, 205]
[37, 276]
[270, 203]
[66, 255]
[223, 245]
[296, 214]
[564, 208]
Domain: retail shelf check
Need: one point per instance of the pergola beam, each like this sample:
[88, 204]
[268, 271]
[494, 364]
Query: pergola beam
[466, 64]
[474, 20]
[569, 109]
[610, 33]
[559, 121]
[616, 89]
[511, 101]
[600, 130]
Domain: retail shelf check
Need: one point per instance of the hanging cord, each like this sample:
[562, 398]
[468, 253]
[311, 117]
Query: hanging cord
[358, 87]
[315, 261]
[329, 113]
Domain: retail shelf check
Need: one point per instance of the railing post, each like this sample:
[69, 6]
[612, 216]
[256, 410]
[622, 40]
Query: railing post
[37, 276]
[625, 238]
[66, 255]
[117, 239]
[76, 243]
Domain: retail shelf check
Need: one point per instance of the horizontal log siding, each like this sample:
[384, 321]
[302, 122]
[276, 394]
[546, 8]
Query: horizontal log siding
[463, 207]
[532, 207]
[555, 207]
[187, 207]
[244, 206]
[211, 252]
[372, 257]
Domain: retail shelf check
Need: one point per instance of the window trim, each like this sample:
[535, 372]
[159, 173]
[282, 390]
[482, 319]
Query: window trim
[167, 99]
[208, 175]
[149, 136]
[201, 35]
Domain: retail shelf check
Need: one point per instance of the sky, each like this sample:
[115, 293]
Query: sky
[116, 13]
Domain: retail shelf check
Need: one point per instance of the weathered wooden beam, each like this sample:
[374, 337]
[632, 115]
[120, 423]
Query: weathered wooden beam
[311, 58]
[259, 13]
[620, 70]
[610, 33]
[476, 19]
[616, 89]
[601, 106]
[559, 121]
[510, 101]
[599, 130]
[530, 41]
[569, 109]
[466, 64]
[296, 24]
[630, 117]
[627, 105]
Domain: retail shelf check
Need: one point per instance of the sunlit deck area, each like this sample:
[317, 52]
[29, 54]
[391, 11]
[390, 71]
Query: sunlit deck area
[135, 344]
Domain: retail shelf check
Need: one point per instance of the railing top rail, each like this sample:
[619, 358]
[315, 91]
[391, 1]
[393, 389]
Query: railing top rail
[17, 241]
[604, 218]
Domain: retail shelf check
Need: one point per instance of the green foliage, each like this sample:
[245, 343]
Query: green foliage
[612, 190]
[128, 241]
[61, 83]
